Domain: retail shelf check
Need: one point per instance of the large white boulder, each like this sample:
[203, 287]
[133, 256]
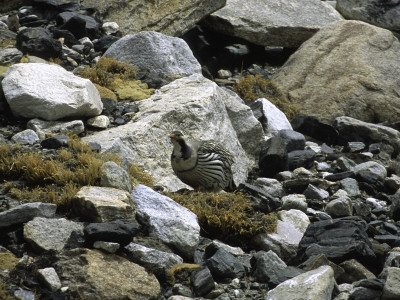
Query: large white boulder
[38, 90]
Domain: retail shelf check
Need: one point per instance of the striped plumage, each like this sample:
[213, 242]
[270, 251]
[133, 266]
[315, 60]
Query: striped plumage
[203, 165]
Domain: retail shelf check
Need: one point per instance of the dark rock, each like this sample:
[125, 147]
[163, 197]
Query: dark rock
[274, 158]
[120, 231]
[109, 106]
[286, 274]
[395, 207]
[301, 158]
[311, 126]
[224, 266]
[267, 265]
[79, 25]
[371, 283]
[354, 147]
[260, 199]
[202, 282]
[326, 149]
[62, 5]
[362, 293]
[103, 43]
[390, 239]
[131, 108]
[339, 239]
[339, 176]
[55, 142]
[313, 192]
[39, 42]
[69, 38]
[293, 140]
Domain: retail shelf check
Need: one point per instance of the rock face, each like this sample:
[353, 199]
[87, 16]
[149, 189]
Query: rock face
[384, 14]
[108, 275]
[169, 17]
[328, 82]
[49, 92]
[195, 106]
[172, 223]
[313, 285]
[272, 23]
[155, 52]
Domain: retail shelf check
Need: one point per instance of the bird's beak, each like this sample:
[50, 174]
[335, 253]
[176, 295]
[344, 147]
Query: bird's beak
[172, 136]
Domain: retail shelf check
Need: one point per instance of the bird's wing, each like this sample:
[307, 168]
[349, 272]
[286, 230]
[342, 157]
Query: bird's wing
[215, 148]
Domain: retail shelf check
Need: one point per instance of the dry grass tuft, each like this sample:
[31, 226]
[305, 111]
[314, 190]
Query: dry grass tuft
[253, 87]
[57, 178]
[222, 214]
[107, 70]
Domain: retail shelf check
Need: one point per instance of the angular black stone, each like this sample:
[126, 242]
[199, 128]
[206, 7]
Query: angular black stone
[311, 126]
[301, 158]
[224, 266]
[55, 142]
[79, 25]
[260, 199]
[274, 158]
[293, 140]
[61, 5]
[103, 43]
[202, 282]
[339, 176]
[119, 231]
[39, 42]
[339, 239]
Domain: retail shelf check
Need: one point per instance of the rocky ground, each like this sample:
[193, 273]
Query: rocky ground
[321, 215]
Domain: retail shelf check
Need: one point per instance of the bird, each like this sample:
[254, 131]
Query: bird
[203, 165]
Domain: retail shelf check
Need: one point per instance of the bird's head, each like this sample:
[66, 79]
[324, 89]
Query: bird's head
[176, 136]
[181, 147]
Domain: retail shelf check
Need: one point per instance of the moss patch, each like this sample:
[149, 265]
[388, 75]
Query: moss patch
[56, 178]
[222, 214]
[105, 92]
[118, 77]
[253, 87]
[133, 90]
[7, 261]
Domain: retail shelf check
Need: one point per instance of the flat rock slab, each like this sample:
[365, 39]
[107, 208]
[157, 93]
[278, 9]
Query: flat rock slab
[102, 204]
[286, 23]
[348, 68]
[170, 17]
[90, 273]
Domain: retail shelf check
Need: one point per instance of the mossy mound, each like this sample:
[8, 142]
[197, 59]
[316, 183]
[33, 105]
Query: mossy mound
[105, 92]
[223, 214]
[7, 261]
[133, 90]
[253, 87]
[118, 77]
[56, 178]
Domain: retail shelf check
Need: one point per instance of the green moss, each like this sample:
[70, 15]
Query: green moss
[7, 261]
[253, 87]
[107, 70]
[133, 90]
[118, 77]
[222, 214]
[105, 92]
